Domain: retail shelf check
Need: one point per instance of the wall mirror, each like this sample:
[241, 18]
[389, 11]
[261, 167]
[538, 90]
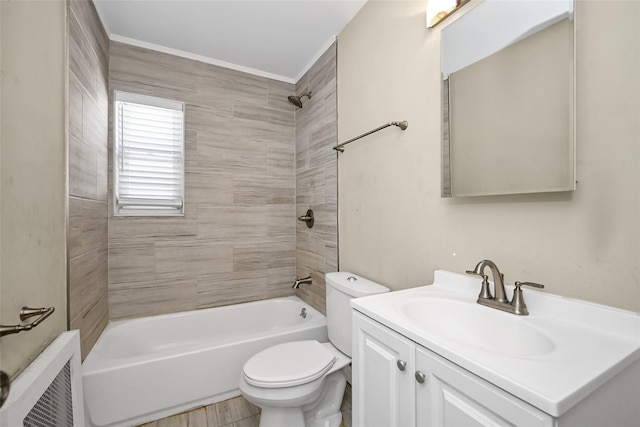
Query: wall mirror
[509, 99]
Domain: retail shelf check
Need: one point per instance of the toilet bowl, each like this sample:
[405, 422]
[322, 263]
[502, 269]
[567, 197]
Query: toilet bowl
[301, 383]
[294, 382]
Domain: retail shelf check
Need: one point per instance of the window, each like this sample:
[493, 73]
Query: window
[148, 159]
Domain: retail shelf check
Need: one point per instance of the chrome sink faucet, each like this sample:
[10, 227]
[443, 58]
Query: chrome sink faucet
[500, 301]
[498, 281]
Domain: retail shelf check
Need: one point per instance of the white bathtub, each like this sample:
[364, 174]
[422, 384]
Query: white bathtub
[148, 368]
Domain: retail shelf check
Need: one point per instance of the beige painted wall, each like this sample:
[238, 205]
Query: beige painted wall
[33, 183]
[395, 228]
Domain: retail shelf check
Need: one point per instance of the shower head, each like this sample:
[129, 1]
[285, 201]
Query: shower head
[295, 100]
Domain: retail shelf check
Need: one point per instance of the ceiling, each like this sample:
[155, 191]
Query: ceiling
[279, 39]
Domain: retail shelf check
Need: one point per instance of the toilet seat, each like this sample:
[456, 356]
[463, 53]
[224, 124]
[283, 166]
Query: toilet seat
[289, 364]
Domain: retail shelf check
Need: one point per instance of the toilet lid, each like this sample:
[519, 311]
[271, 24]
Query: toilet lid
[288, 364]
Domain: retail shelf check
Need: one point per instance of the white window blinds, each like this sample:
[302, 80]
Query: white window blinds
[149, 155]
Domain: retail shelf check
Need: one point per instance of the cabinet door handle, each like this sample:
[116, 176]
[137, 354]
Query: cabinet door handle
[402, 365]
[420, 377]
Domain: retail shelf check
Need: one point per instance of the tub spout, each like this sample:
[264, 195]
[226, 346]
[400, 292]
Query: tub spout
[298, 282]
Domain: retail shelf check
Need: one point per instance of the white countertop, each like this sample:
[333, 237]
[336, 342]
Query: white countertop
[591, 343]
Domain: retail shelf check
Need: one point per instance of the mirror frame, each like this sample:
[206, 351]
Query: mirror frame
[445, 168]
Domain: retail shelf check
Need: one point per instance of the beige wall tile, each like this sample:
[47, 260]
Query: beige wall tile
[83, 173]
[216, 84]
[192, 257]
[81, 59]
[218, 222]
[249, 254]
[93, 323]
[94, 125]
[87, 225]
[210, 119]
[231, 128]
[277, 96]
[102, 178]
[280, 158]
[262, 124]
[323, 138]
[234, 222]
[135, 64]
[126, 86]
[252, 190]
[207, 187]
[237, 240]
[281, 221]
[93, 31]
[316, 135]
[231, 288]
[88, 147]
[280, 282]
[153, 227]
[324, 70]
[131, 261]
[226, 153]
[148, 298]
[75, 108]
[83, 279]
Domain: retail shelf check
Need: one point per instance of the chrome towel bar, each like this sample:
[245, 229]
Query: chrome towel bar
[402, 125]
[26, 313]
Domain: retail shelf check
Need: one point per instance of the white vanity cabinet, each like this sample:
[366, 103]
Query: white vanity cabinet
[383, 364]
[398, 383]
[452, 396]
[432, 356]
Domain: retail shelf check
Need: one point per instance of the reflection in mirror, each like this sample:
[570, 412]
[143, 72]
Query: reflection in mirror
[508, 99]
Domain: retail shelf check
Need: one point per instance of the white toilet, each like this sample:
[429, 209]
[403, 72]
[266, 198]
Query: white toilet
[301, 383]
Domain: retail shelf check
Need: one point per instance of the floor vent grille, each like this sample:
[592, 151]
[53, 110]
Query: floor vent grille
[55, 406]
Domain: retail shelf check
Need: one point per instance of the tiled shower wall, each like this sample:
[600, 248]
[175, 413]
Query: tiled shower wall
[88, 109]
[237, 240]
[316, 178]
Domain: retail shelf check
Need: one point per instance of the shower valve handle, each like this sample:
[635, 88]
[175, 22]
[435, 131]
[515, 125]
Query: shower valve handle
[307, 218]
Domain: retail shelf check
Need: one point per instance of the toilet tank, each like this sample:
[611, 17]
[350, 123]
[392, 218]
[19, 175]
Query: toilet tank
[342, 286]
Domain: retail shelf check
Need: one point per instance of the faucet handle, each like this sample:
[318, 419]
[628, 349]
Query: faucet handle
[533, 285]
[517, 302]
[485, 292]
[474, 273]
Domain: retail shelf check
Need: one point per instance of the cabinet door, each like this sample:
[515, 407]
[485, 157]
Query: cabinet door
[452, 396]
[383, 367]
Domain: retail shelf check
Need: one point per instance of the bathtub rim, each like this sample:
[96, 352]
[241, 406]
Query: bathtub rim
[97, 363]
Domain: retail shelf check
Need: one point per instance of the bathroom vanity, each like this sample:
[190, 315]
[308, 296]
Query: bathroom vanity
[431, 356]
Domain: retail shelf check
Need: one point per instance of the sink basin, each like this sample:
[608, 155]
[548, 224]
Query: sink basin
[553, 358]
[471, 324]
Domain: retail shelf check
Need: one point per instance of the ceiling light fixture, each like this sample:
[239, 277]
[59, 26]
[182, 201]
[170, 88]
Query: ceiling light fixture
[437, 10]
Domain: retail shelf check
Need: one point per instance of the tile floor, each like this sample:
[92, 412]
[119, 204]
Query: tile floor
[236, 412]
